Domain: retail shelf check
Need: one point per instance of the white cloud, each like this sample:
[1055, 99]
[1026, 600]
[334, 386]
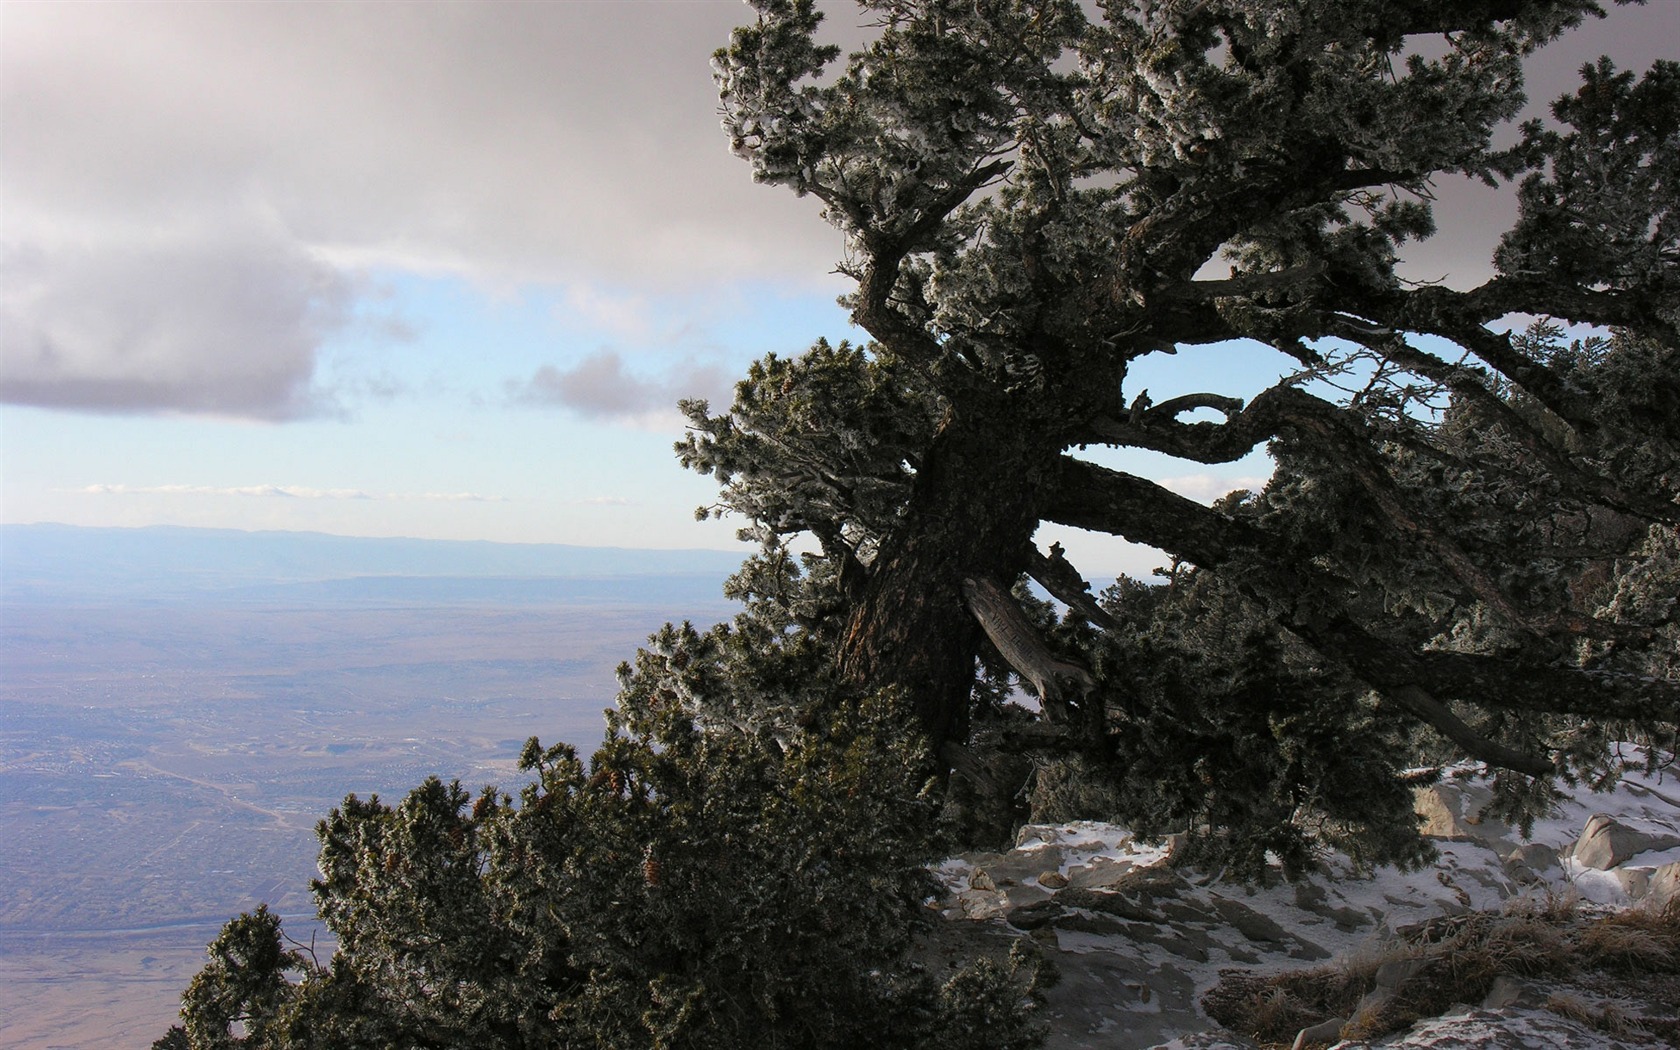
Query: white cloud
[605, 501]
[625, 317]
[286, 492]
[221, 322]
[524, 142]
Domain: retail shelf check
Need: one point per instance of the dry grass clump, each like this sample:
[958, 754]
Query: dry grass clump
[1273, 1007]
[1608, 1018]
[1641, 939]
[1455, 962]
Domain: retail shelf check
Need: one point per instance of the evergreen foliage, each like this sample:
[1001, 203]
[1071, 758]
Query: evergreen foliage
[687, 888]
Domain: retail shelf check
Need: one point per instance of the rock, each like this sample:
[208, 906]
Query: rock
[1529, 863]
[1100, 873]
[1186, 944]
[1437, 805]
[1311, 897]
[1499, 1030]
[1035, 915]
[1134, 896]
[1098, 925]
[1510, 992]
[1635, 882]
[1014, 869]
[982, 904]
[1052, 880]
[1522, 874]
[1323, 1032]
[1122, 999]
[1250, 923]
[1189, 912]
[1027, 893]
[1665, 885]
[1037, 834]
[1386, 984]
[1134, 907]
[1396, 972]
[1606, 843]
[1452, 809]
[1537, 856]
[1211, 1041]
[1152, 882]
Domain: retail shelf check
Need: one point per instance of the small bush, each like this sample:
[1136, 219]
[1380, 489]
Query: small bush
[688, 889]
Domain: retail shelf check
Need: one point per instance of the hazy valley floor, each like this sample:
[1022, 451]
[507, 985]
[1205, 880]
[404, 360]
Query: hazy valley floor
[163, 764]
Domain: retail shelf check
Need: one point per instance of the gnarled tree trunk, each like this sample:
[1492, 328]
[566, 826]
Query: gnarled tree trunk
[978, 498]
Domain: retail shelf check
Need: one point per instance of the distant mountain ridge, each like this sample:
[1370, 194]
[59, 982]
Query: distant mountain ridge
[44, 562]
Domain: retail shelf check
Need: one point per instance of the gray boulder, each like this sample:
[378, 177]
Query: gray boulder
[1606, 843]
[1665, 885]
[1452, 809]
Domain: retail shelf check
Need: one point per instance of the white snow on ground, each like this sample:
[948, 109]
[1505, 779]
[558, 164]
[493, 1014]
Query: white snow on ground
[1135, 963]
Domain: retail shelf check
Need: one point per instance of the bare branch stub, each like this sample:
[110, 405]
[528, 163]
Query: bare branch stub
[1056, 681]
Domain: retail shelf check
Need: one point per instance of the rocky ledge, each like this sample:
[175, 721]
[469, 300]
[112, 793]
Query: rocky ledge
[1139, 942]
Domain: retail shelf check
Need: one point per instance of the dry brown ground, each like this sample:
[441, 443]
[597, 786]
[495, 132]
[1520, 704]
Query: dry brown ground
[104, 996]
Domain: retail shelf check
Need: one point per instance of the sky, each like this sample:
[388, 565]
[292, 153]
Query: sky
[437, 270]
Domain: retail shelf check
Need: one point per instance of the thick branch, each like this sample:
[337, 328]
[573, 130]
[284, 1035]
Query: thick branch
[1502, 683]
[1094, 497]
[1087, 496]
[1507, 295]
[1058, 576]
[1342, 436]
[1462, 317]
[1474, 744]
[1248, 283]
[1159, 430]
[887, 250]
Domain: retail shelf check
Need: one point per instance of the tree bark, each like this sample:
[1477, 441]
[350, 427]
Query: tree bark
[976, 503]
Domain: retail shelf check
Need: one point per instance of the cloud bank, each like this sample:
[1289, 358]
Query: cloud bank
[191, 189]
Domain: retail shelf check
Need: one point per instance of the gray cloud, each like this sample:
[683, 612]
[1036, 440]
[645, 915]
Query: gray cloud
[599, 386]
[519, 142]
[507, 144]
[225, 323]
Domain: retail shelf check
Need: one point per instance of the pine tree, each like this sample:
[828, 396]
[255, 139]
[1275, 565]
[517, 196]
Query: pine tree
[1036, 197]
